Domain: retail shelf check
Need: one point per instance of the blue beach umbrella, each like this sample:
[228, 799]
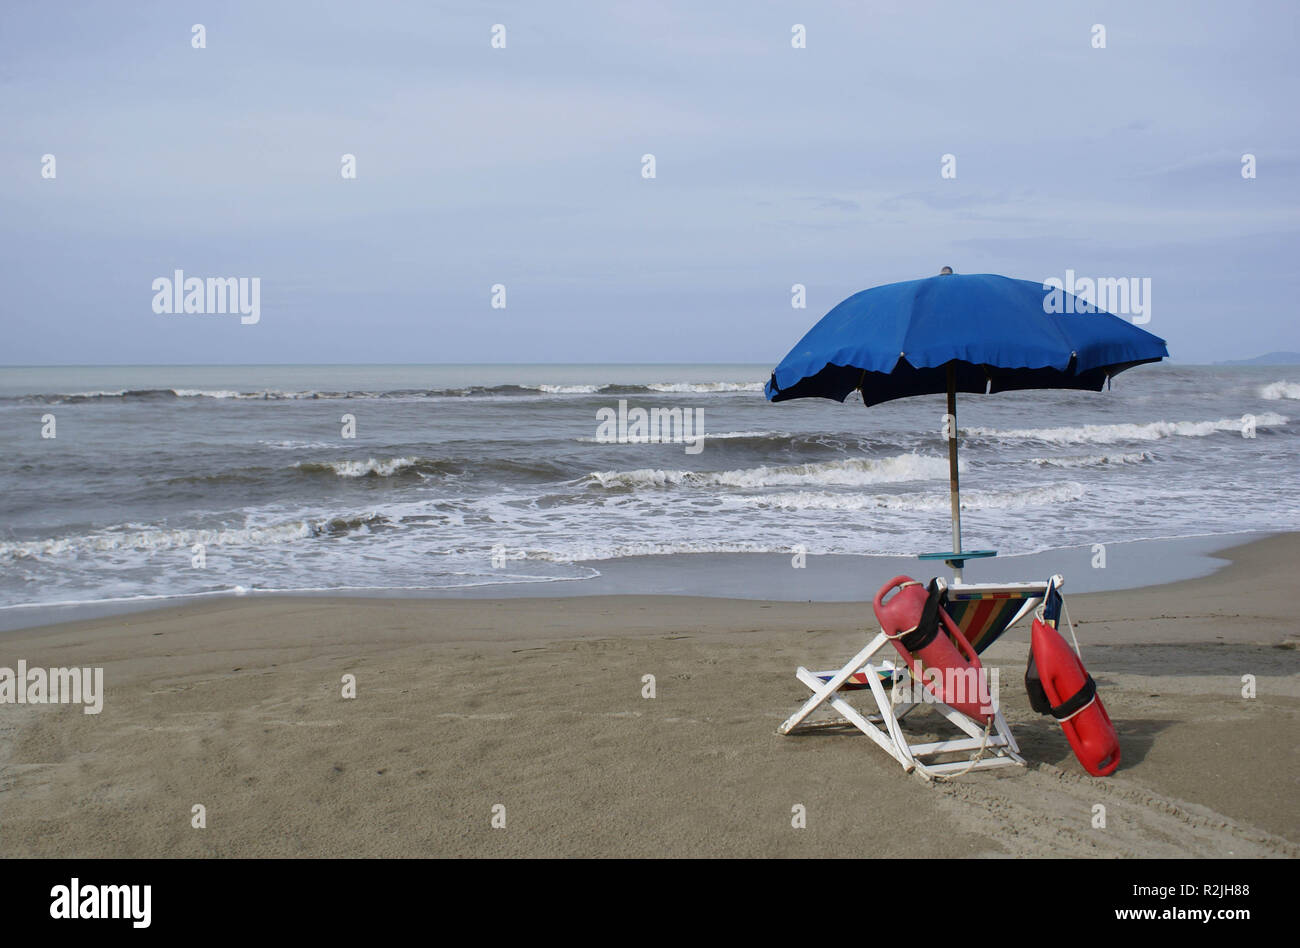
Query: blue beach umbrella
[979, 333]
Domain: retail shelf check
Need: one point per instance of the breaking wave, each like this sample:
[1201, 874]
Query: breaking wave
[533, 470]
[113, 540]
[704, 388]
[850, 473]
[971, 500]
[367, 468]
[544, 389]
[1095, 460]
[1112, 434]
[1275, 391]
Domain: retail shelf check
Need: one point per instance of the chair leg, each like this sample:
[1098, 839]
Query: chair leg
[854, 717]
[824, 690]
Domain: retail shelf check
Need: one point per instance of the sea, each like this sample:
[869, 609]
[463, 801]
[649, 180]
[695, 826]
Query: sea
[132, 484]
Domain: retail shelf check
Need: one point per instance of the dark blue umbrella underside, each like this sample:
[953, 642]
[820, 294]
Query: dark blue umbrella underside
[899, 340]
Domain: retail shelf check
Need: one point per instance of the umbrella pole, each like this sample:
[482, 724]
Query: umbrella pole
[953, 487]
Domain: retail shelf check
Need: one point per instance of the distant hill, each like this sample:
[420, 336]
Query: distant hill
[1268, 358]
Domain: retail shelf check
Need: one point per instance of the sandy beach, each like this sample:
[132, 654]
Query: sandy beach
[536, 705]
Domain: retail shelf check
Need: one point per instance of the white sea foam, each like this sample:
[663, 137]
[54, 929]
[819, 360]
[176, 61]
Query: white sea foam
[701, 388]
[207, 393]
[490, 393]
[724, 435]
[719, 436]
[705, 388]
[269, 394]
[584, 550]
[298, 445]
[145, 540]
[378, 468]
[1095, 460]
[854, 472]
[567, 389]
[971, 500]
[1112, 434]
[683, 388]
[1275, 391]
[466, 580]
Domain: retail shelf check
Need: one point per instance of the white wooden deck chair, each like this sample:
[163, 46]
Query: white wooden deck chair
[983, 611]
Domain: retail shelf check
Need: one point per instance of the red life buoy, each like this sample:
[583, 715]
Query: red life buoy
[1072, 696]
[930, 643]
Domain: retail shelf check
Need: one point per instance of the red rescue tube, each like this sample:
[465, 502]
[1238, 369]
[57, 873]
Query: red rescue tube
[1075, 702]
[960, 680]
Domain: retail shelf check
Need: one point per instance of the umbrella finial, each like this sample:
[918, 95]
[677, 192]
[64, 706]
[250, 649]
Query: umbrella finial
[946, 271]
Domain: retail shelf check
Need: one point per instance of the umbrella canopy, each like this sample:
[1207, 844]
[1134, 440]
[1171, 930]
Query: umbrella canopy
[995, 333]
[959, 333]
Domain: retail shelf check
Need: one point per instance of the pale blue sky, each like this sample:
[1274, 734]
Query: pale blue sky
[522, 166]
